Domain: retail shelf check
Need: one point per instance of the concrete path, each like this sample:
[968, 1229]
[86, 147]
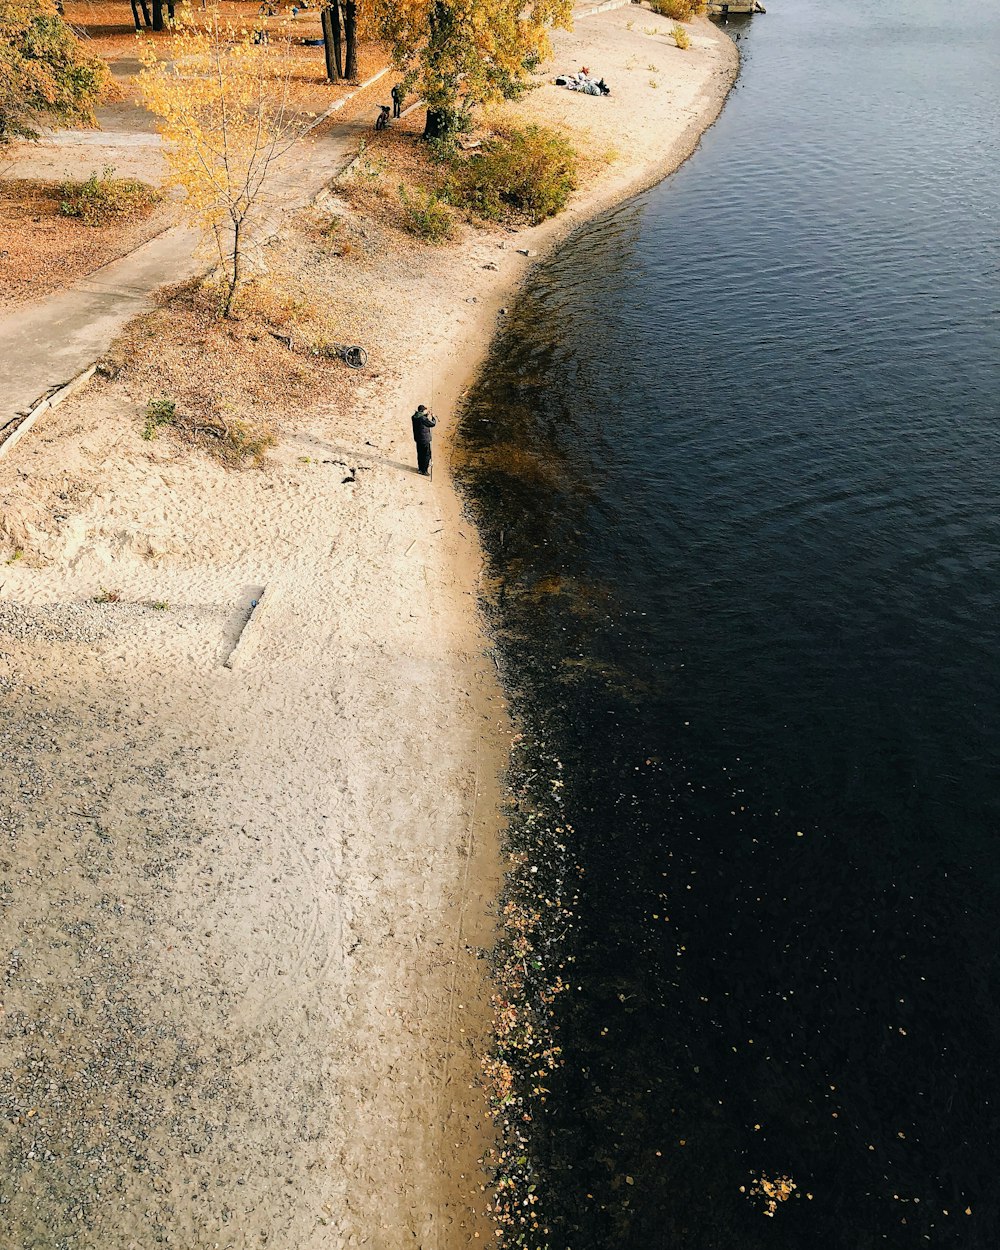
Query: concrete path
[45, 344]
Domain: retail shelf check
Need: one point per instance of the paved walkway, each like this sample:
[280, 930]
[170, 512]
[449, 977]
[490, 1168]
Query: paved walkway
[43, 345]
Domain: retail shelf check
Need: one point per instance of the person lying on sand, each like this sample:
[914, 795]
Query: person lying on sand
[583, 82]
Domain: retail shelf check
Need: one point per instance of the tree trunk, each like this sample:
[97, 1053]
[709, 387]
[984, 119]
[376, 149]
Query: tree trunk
[330, 47]
[135, 16]
[145, 13]
[351, 39]
[170, 9]
[438, 124]
[235, 279]
[338, 43]
[158, 14]
[441, 115]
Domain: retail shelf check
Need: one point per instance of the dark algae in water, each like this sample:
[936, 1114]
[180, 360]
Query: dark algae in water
[537, 908]
[735, 465]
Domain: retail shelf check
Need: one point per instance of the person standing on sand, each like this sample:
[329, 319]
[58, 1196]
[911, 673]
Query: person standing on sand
[423, 423]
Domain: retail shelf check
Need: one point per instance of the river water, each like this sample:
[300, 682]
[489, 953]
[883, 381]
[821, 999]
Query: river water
[735, 462]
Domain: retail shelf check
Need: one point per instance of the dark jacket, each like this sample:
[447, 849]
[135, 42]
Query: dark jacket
[423, 423]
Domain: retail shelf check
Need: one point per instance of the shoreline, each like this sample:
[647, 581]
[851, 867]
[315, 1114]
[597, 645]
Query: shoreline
[303, 853]
[543, 239]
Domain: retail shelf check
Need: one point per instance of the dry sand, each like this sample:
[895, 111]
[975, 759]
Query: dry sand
[242, 1003]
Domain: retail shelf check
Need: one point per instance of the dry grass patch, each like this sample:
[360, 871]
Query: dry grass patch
[396, 183]
[223, 384]
[41, 248]
[237, 442]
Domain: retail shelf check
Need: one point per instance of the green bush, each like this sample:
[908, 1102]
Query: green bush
[158, 412]
[103, 198]
[426, 216]
[681, 10]
[681, 37]
[527, 173]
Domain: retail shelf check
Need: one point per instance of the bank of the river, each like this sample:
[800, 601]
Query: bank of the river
[244, 1000]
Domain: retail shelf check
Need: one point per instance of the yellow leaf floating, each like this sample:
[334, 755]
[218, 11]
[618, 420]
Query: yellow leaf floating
[772, 1191]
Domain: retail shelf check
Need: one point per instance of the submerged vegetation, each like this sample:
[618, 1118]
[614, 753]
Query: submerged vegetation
[538, 902]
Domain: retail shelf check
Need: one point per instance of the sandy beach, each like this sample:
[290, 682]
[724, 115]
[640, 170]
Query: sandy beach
[250, 800]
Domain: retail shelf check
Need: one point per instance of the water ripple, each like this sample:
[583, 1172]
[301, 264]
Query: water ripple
[763, 475]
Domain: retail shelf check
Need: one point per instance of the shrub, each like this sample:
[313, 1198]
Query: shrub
[103, 198]
[681, 37]
[236, 442]
[426, 216]
[681, 10]
[527, 172]
[158, 412]
[443, 149]
[242, 442]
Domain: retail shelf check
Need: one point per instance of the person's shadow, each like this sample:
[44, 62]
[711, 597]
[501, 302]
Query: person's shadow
[319, 450]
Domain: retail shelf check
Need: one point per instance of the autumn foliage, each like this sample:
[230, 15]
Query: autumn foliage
[461, 53]
[223, 100]
[683, 10]
[45, 74]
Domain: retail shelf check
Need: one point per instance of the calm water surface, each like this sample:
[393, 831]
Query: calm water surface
[736, 464]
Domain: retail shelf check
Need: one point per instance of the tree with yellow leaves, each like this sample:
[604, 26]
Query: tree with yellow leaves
[222, 97]
[44, 72]
[461, 53]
